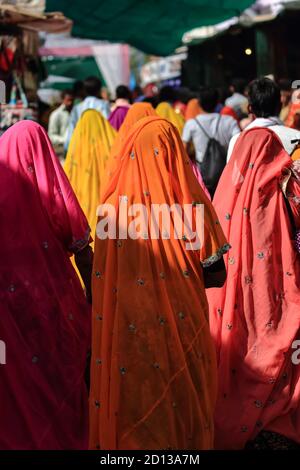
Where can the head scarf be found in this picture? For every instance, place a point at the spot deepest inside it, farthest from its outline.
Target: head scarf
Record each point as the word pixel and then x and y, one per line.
pixel 135 113
pixel 87 159
pixel 44 317
pixel 229 111
pixel 150 325
pixel 292 119
pixel 166 111
pixel 193 109
pixel 255 317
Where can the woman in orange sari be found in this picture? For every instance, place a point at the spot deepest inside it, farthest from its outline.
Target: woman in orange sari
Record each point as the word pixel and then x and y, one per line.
pixel 255 317
pixel 293 117
pixel 296 154
pixel 153 371
pixel 136 112
pixel 193 109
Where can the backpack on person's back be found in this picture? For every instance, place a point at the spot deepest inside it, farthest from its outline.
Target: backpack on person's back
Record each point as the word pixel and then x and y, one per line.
pixel 214 160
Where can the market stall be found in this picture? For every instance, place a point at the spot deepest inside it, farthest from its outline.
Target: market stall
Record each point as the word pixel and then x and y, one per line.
pixel 20 23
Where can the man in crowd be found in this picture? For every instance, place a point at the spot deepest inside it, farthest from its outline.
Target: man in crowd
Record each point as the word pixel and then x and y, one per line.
pixel 209 125
pixel 59 122
pixel 92 89
pixel 237 101
pixel 123 97
pixel 265 104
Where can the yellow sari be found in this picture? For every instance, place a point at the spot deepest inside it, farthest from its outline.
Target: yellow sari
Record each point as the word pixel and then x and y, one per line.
pixel 165 111
pixel 86 161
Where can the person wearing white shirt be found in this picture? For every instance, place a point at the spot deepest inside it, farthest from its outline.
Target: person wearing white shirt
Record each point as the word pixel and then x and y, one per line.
pixel 237 101
pixel 92 88
pixel 265 104
pixel 59 121
pixel 212 125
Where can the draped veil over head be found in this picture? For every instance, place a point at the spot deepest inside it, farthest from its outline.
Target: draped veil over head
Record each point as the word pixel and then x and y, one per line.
pixel 136 112
pixel 255 317
pixel 44 317
pixel 166 111
pixel 153 359
pixel 87 160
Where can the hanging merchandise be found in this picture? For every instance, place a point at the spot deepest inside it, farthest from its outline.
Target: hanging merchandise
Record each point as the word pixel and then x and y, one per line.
pixel 18 107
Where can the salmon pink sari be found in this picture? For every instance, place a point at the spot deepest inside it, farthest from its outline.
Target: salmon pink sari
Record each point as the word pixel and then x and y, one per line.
pixel 153 374
pixel 44 317
pixel 255 317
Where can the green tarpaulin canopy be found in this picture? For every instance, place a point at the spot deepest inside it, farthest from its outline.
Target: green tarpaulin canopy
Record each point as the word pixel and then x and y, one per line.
pixel 154 26
pixel 71 68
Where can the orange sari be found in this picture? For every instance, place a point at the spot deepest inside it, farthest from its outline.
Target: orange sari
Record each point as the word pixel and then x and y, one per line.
pixel 296 154
pixel 153 373
pixel 193 109
pixel 292 119
pixel 135 113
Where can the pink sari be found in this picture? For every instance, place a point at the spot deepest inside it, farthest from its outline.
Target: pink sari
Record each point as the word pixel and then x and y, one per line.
pixel 198 175
pixel 255 317
pixel 44 317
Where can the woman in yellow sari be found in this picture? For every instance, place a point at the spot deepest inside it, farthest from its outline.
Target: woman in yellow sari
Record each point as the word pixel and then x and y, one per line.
pixel 165 111
pixel 87 159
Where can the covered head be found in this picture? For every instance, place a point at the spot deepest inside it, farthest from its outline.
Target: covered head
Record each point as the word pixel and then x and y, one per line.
pixel 87 160
pixel 156 327
pixel 135 113
pixel 166 111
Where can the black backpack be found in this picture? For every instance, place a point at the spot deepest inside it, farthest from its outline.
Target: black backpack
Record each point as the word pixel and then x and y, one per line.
pixel 213 162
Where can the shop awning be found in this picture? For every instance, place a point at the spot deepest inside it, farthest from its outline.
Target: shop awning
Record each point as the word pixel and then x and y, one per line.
pixel 153 26
pixel 33 19
pixel 261 11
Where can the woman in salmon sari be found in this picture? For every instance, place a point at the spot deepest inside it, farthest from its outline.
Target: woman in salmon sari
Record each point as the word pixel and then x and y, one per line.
pixel 255 317
pixel 166 111
pixel 44 316
pixel 87 160
pixel 153 375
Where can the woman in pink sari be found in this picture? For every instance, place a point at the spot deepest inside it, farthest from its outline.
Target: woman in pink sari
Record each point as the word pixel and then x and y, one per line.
pixel 255 317
pixel 44 315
